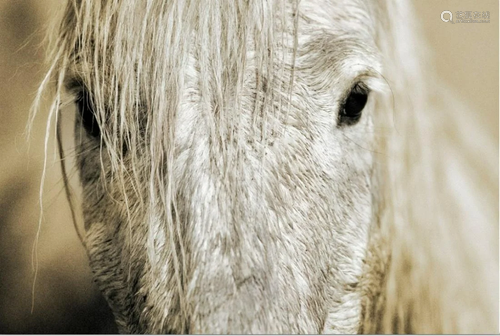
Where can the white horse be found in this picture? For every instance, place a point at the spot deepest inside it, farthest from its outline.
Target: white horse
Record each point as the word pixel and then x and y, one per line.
pixel 275 166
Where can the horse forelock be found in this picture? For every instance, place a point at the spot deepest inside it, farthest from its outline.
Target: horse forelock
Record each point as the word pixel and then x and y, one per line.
pixel 114 53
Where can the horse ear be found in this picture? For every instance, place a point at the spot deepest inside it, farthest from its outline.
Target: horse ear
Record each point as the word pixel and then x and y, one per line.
pixel 431 223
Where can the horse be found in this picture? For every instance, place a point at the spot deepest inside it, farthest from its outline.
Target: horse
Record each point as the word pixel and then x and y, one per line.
pixel 273 167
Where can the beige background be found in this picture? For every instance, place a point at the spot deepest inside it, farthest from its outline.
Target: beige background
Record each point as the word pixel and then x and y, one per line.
pixel 66 301
pixel 465 54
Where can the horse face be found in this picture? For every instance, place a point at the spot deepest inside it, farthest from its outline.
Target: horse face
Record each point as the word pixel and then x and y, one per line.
pixel 247 217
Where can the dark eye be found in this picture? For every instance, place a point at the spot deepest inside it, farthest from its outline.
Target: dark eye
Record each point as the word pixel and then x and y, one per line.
pixel 352 107
pixel 87 114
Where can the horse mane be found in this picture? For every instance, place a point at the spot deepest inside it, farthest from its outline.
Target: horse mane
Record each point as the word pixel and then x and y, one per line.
pixel 431 264
pixel 434 246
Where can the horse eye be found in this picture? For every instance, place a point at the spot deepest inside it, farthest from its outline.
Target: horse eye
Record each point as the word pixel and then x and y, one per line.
pixel 87 114
pixel 353 105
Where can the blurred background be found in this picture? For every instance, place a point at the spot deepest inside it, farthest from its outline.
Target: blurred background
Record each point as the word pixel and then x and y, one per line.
pixel 66 300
